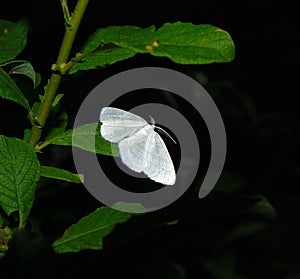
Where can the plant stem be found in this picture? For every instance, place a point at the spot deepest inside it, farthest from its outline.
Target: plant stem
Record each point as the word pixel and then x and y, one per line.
pixel 55 78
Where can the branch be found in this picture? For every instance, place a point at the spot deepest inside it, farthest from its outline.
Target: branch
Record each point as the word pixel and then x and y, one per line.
pixel 56 77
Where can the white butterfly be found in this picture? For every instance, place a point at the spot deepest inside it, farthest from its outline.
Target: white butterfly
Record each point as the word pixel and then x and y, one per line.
pixel 141 148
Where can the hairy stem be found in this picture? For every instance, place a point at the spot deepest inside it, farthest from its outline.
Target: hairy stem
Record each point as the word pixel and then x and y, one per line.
pixel 55 79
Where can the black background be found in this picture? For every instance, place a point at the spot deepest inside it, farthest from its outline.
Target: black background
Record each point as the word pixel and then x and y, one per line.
pixel 257 96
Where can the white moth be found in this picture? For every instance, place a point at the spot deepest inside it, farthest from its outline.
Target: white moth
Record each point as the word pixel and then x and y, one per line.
pixel 141 148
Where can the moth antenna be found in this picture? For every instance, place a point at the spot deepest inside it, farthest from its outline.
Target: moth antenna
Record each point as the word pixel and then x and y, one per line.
pixel 166 133
pixel 161 129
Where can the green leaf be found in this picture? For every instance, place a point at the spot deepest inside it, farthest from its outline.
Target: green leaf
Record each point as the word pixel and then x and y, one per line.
pixel 171 223
pixel 229 183
pixel 102 58
pixel 130 207
pixel 56 173
pixel 6 235
pixel 263 207
pixel 26 135
pixel 10 91
pixel 131 37
pixel 56 123
pixel 23 67
pixel 57 99
pixel 66 13
pixel 244 230
pixel 89 232
pixel 183 43
pixel 13 39
pixel 38 79
pixel 19 174
pixel 187 43
pixel 57 120
pixel 223 265
pixel 86 137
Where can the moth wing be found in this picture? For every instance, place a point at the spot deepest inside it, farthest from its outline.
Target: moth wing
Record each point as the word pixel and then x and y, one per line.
pixel 118 124
pixel 132 149
pixel 158 164
pixel 146 151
